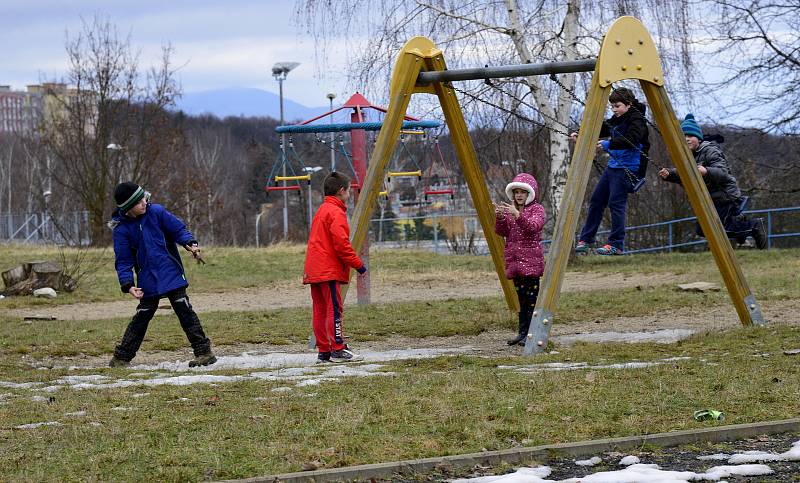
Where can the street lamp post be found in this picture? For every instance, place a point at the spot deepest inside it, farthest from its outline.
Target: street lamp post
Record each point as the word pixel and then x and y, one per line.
pixel 331 96
pixel 310 170
pixel 280 70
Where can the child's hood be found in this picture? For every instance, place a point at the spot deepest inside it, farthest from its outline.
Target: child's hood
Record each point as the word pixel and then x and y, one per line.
pixel 523 181
pixel 117 217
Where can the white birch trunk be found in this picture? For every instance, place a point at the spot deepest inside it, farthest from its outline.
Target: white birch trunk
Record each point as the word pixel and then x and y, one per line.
pixel 559 141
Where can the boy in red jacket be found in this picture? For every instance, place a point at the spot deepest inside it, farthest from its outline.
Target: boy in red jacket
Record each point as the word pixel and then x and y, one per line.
pixel 329 258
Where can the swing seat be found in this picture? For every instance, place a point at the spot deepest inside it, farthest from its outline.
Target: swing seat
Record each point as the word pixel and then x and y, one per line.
pixel 355 186
pixel 405 174
pixel 305 177
pixel 293 187
pixel 383 193
pixel 638 185
pixel 438 192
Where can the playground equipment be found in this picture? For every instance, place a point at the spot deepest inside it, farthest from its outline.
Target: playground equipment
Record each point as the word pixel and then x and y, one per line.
pixel 437 158
pixel 627 52
pixel 282 165
pixel 357 158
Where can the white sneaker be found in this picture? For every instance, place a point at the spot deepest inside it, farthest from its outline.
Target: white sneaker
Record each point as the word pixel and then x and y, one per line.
pixel 345 355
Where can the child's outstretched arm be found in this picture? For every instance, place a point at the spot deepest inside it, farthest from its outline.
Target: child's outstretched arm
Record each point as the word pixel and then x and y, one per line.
pixel 176 229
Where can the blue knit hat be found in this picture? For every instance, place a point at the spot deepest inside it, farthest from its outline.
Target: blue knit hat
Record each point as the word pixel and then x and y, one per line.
pixel 691 128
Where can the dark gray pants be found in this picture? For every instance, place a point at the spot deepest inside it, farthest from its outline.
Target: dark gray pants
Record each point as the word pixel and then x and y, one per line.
pixel 137 328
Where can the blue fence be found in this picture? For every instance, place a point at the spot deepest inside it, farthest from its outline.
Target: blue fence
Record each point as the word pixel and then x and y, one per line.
pixel 653 237
pixel 670 237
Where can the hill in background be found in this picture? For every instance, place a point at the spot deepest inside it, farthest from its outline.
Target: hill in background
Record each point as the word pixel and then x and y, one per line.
pixel 245 102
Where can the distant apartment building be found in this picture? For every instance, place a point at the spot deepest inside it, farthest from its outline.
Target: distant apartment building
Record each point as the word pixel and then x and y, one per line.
pixel 21 112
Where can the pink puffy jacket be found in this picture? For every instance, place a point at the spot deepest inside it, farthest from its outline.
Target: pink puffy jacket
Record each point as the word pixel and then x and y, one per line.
pixel 524 255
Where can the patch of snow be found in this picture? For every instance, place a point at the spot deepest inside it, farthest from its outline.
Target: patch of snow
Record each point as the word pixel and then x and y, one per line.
pixel 140 394
pixel 37 425
pixel 19 385
pixel 664 336
pixel 122 408
pixel 629 460
pixel 522 475
pixel 753 456
pixel 277 389
pixel 635 473
pixel 39 399
pixel 715 456
pixel 76 413
pixel 571 366
pixel 274 360
pixel 594 460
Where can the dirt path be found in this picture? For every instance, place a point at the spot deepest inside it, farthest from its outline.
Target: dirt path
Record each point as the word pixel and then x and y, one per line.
pixel 492 343
pixel 289 295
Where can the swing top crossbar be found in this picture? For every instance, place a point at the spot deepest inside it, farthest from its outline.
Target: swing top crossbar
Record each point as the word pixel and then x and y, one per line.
pixel 350 126
pixel 515 70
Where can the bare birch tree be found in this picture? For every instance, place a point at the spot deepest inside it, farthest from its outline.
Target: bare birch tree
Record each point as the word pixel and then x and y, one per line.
pixel 478 32
pixel 106 99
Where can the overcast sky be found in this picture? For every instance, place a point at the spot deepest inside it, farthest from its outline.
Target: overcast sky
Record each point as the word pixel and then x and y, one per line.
pixel 219 44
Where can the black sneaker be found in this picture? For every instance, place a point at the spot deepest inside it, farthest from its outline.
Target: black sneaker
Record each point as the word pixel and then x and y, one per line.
pixel 203 360
pixel 345 355
pixel 323 357
pixel 760 234
pixel 117 362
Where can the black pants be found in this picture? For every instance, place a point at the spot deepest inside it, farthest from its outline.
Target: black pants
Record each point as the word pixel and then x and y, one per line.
pixel 527 293
pixel 737 226
pixel 137 328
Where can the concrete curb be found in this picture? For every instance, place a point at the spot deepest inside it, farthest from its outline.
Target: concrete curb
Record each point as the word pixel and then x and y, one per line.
pixel 538 453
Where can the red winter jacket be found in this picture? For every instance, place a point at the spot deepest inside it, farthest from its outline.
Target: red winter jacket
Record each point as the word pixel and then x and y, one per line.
pixel 330 255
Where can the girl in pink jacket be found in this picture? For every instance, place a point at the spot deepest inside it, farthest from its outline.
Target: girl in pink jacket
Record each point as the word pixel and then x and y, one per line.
pixel 520 223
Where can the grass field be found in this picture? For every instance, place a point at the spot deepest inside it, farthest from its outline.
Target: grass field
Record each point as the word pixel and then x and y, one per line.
pixel 137 423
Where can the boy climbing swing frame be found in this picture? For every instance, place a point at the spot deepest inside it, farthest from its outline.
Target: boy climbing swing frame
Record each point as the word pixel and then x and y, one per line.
pixel 627 52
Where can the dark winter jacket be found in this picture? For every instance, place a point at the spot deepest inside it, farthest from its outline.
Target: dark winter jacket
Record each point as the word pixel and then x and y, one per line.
pixel 627 137
pixel 719 180
pixel 524 255
pixel 147 246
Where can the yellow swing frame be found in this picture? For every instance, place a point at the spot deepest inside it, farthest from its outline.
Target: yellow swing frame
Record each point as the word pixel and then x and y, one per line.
pixel 627 52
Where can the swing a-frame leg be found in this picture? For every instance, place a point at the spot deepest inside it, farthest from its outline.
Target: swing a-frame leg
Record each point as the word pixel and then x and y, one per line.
pixel 628 52
pixel 420 54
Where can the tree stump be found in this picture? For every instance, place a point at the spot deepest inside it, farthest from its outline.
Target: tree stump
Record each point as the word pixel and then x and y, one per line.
pixel 25 278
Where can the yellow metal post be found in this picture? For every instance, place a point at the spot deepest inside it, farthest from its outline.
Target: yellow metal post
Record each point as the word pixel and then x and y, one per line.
pixel 743 299
pixel 418 54
pixel 567 221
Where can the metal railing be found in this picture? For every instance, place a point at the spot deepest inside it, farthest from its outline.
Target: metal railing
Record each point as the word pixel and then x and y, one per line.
pixel 434 240
pixel 31 228
pixel 670 237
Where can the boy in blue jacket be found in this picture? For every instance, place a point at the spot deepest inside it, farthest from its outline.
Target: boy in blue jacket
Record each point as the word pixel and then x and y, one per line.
pixel 145 238
pixel 627 139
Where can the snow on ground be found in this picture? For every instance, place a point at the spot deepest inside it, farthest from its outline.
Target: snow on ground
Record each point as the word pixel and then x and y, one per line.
pixel 569 366
pixel 753 456
pixel 296 369
pixel 638 473
pixel 741 464
pixel 663 336
pixel 593 461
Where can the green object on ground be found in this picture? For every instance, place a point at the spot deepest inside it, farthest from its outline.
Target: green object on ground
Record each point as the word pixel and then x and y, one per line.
pixel 709 415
